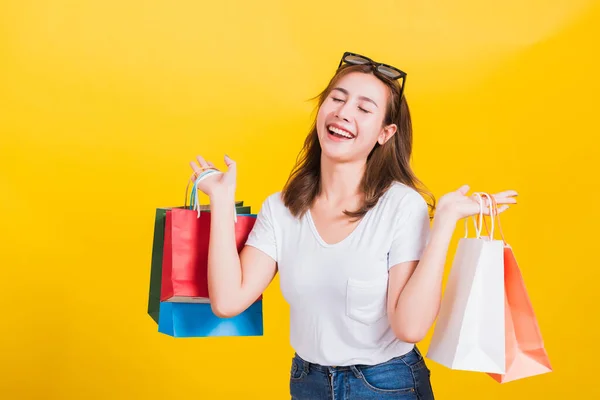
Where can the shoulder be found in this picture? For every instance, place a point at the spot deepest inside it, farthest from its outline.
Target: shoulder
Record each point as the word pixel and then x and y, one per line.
pixel 274 206
pixel 401 197
pixel 274 201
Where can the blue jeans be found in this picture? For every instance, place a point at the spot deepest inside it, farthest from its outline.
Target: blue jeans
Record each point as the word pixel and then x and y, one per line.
pixel 401 378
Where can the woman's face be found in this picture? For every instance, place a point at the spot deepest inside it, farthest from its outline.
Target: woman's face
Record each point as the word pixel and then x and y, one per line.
pixel 350 120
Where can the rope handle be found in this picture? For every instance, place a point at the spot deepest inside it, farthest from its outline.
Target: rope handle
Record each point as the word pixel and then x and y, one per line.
pixel 495 216
pixel 194 195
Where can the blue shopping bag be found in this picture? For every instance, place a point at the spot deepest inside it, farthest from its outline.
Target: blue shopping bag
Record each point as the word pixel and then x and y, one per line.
pixel 197 320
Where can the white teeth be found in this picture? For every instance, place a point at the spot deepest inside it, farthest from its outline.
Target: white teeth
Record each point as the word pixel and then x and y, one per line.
pixel 340 132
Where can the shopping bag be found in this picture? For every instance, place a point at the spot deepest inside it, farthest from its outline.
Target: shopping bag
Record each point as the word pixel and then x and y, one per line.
pixel 157 253
pixel 185 254
pixel 156 263
pixel 469 333
pixel 526 355
pixel 197 320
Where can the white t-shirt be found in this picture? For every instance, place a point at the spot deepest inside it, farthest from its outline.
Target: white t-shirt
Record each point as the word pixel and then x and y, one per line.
pixel 337 292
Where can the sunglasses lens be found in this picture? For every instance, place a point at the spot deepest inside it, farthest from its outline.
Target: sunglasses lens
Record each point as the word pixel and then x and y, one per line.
pixel 392 73
pixel 356 60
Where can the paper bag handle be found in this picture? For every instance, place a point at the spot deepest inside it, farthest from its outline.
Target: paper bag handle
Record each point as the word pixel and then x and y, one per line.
pixel 195 179
pixel 480 221
pixel 493 210
pixel 476 221
pixel 194 198
pixel 495 216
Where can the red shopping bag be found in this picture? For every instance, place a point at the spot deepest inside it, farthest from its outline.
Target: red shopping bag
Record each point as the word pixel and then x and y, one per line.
pixel 185 254
pixel 525 354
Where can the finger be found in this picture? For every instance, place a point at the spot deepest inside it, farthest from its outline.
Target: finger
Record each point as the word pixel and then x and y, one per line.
pixel 464 189
pixel 498 199
pixel 211 165
pixel 498 210
pixel 195 167
pixel 484 201
pixel 231 165
pixel 510 200
pixel 477 198
pixel 508 197
pixel 202 162
pixel 507 193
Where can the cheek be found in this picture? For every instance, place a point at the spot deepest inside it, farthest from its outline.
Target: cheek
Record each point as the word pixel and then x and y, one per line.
pixel 370 129
pixel 322 117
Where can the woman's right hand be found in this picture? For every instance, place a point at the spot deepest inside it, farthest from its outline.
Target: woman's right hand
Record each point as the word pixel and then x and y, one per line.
pixel 216 185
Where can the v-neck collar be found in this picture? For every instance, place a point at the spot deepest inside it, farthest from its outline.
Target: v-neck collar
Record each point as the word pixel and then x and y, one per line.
pixel 348 237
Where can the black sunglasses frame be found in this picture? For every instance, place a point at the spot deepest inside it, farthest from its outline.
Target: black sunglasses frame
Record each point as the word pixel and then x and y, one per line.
pixel 401 74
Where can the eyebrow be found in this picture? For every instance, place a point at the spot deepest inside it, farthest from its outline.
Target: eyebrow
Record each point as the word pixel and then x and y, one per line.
pixel 339 89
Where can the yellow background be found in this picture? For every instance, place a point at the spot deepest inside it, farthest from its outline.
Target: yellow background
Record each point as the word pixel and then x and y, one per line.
pixel 104 103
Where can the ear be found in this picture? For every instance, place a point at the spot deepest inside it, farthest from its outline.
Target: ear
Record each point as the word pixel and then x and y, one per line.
pixel 386 133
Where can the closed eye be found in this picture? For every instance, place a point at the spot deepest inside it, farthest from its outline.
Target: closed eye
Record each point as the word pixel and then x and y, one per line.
pixel 363 110
pixel 336 99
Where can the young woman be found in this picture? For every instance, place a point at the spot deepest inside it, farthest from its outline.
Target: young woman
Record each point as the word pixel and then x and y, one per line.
pixel 360 264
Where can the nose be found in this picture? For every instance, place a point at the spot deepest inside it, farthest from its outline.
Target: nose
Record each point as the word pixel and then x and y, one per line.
pixel 343 112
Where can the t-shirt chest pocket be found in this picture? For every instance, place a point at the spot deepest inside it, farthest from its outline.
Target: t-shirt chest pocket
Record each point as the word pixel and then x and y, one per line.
pixel 366 299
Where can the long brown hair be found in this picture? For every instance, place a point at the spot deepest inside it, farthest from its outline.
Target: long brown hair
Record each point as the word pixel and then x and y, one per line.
pixel 386 163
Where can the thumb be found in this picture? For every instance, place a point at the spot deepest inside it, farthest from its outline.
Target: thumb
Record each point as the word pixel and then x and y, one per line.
pixel 464 189
pixel 231 165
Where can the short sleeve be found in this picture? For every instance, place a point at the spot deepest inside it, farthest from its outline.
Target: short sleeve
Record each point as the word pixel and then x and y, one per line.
pixel 411 230
pixel 262 236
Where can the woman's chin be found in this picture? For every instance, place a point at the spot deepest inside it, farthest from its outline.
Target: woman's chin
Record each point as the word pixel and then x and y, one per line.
pixel 337 155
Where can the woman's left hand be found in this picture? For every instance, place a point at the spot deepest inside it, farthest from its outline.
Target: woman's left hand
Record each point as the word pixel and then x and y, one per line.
pixel 457 205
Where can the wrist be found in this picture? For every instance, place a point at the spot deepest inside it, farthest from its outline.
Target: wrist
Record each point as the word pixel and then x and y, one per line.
pixel 225 195
pixel 445 220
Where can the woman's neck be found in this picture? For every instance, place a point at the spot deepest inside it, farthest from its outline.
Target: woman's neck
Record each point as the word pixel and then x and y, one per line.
pixel 340 182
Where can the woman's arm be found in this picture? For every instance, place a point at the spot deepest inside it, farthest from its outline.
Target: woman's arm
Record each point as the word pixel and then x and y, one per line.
pixel 235 280
pixel 415 287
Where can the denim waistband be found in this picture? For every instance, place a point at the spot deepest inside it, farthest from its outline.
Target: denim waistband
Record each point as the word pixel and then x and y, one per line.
pixel 412 357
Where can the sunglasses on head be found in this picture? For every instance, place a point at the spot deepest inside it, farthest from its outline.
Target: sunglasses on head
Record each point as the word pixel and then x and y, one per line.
pixel 384 69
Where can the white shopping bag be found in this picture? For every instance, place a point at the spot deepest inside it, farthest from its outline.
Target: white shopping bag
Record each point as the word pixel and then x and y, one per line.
pixel 469 333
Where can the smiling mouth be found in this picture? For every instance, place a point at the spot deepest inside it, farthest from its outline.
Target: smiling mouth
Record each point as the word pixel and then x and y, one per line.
pixel 340 133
